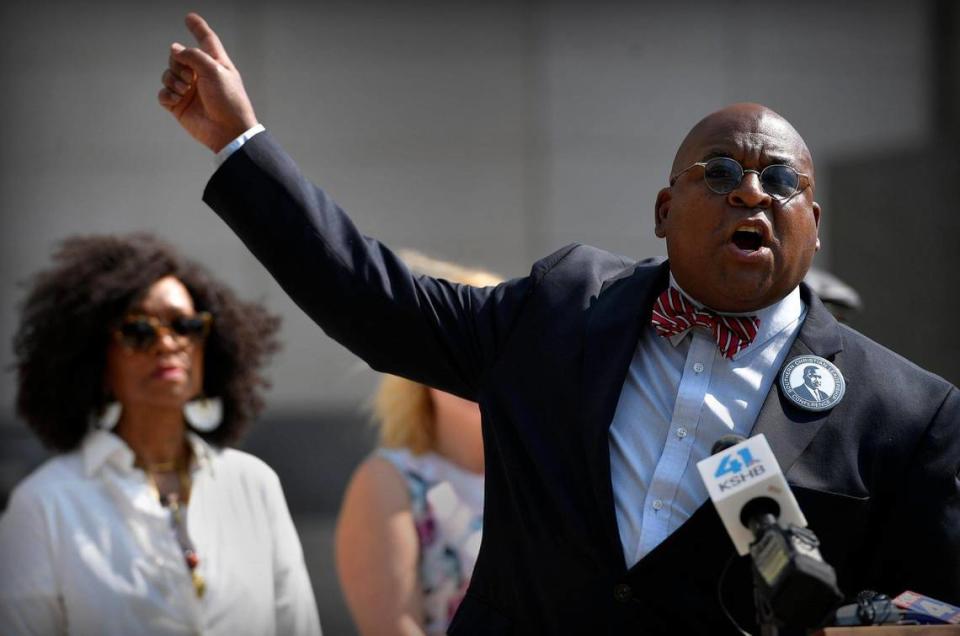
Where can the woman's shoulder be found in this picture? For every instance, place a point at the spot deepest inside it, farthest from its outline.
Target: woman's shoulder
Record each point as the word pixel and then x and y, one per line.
pixel 60 473
pixel 243 464
pixel 382 469
pixel 380 481
pixel 232 473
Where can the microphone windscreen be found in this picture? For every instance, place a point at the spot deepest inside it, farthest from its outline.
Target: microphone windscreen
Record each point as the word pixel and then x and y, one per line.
pixel 726 442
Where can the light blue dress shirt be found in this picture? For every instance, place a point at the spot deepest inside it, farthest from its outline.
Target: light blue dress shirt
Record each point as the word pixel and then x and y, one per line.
pixel 680 396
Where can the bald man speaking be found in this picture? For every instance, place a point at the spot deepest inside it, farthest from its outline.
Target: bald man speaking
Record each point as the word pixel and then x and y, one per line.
pixel 602 381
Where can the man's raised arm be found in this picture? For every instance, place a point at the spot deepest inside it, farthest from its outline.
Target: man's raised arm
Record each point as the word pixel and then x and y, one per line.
pixel 354 287
pixel 203 90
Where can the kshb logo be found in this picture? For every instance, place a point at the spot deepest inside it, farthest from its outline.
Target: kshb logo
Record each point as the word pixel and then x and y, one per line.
pixel 741 473
pixel 737 468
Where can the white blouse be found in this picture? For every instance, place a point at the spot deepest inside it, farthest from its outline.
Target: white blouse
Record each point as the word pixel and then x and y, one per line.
pixel 86 548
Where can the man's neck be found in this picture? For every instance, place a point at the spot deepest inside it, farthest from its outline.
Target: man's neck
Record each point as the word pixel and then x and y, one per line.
pixel 699 304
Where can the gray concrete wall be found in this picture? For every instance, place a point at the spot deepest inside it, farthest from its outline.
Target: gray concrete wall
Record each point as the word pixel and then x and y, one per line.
pixel 491 133
pixel 899 225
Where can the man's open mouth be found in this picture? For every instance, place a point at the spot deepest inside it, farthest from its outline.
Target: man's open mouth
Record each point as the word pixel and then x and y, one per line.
pixel 748 239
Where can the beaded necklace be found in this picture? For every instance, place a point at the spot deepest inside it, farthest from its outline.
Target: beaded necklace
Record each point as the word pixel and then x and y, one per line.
pixel 178 518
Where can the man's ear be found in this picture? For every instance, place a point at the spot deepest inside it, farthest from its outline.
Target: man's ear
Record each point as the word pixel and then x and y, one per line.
pixel 661 210
pixel 816 221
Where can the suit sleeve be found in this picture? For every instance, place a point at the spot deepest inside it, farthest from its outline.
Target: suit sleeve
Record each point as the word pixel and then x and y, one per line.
pixel 430 330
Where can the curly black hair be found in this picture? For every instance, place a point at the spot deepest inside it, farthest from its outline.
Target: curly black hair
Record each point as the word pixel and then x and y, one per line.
pixel 65 323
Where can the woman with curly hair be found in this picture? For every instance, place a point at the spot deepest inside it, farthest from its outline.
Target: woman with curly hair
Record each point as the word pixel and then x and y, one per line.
pixel 410 524
pixel 138 368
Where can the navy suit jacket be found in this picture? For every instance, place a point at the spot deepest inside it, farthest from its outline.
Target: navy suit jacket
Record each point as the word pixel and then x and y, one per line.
pixel 546 356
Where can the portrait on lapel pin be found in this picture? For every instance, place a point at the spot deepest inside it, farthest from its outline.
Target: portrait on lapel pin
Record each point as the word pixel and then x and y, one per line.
pixel 812 383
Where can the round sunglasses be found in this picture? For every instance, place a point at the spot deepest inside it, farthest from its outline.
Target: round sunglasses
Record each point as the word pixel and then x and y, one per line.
pixel 723 175
pixel 140 332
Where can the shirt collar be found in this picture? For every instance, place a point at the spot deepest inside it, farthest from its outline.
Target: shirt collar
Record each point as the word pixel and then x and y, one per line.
pixel 203 453
pixel 100 447
pixel 773 318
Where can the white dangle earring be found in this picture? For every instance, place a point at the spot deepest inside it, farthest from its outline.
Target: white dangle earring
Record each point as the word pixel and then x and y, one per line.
pixel 107 418
pixel 203 414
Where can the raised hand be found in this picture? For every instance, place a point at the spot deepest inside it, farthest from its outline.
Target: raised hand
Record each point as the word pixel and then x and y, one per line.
pixel 203 90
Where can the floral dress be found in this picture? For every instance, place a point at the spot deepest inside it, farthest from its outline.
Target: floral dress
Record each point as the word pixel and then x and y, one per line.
pixel 447 505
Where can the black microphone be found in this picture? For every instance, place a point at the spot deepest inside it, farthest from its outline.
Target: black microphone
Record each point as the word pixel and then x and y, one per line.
pixel 793 585
pixel 908 607
pixel 726 442
pixel 871 608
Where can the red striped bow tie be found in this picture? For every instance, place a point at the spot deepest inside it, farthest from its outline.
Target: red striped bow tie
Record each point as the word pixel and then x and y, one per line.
pixel 673 314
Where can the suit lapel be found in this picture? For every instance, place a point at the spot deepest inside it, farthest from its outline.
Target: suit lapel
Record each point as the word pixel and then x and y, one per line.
pixel 788 428
pixel 616 319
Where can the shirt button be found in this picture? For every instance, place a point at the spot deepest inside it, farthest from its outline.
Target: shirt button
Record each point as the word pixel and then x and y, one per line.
pixel 698 367
pixel 657 504
pixel 681 432
pixel 622 592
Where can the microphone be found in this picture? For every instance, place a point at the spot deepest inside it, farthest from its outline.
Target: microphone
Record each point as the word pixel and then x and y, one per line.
pixel 871 608
pixel 909 607
pixel 745 471
pixel 793 585
pixel 726 442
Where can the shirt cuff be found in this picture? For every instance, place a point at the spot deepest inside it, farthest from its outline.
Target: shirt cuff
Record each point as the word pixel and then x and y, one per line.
pixel 235 145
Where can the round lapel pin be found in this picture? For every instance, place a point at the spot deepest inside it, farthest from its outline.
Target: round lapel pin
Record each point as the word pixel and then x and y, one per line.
pixel 812 383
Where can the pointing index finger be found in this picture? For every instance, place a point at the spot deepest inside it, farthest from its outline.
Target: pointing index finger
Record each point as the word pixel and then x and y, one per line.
pixel 206 38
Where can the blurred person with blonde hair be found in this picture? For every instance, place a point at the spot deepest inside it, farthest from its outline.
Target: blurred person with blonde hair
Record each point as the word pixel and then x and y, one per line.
pixel 409 529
